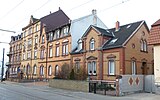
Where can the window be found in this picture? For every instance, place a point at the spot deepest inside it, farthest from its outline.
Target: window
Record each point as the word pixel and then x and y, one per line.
pixel 143 45
pixel 35 70
pixel 30 30
pixel 57 33
pixel 41 70
pixel 29 42
pixel 50 36
pixel 24 56
pixel 50 52
pixel 42 54
pixel 65 31
pixel 28 69
pixel 77 66
pixel 50 70
pixel 57 51
pixel 111 67
pixel 133 67
pixel 35 54
pixel 24 69
pixel 24 34
pixel 24 45
pixel 79 44
pixel 28 54
pixel 36 39
pixel 43 39
pixel 92 43
pixel 20 46
pixel 37 28
pixel 65 49
pixel 56 70
pixel 92 68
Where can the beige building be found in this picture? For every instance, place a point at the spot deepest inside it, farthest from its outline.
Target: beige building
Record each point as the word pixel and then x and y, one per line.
pixel 154 39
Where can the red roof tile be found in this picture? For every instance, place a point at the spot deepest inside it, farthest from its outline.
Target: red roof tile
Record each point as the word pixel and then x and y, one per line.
pixel 156 23
pixel 154 37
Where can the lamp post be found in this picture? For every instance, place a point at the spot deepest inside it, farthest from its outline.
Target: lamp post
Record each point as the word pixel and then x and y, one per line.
pixel 2 65
pixel 4 52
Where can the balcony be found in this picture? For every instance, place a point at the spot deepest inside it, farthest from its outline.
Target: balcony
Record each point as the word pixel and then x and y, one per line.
pixel 8 63
pixel 10 53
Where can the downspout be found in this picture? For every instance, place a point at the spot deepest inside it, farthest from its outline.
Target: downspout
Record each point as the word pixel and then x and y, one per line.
pixel 46 57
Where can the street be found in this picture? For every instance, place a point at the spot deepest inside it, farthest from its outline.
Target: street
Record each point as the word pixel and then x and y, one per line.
pixel 35 91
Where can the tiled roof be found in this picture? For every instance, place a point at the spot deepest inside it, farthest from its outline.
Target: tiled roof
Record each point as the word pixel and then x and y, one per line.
pixel 154 37
pixel 122 35
pixel 156 23
pixel 103 31
pixel 55 20
pixel 119 37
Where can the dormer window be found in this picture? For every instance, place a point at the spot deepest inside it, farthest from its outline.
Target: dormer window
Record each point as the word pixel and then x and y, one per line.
pixel 65 31
pixel 79 44
pixel 30 30
pixel 92 44
pixel 57 33
pixel 43 39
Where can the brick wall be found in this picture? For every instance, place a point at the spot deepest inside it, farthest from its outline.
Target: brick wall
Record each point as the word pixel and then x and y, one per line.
pixel 69 85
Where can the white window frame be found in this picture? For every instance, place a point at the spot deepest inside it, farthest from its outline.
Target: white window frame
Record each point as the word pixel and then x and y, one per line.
pixel 111 67
pixel 42 54
pixel 35 70
pixel 35 54
pixel 43 39
pixel 50 52
pixel 65 49
pixel 50 70
pixel 56 70
pixel 77 66
pixel 133 64
pixel 41 70
pixel 57 51
pixel 92 44
pixel 36 40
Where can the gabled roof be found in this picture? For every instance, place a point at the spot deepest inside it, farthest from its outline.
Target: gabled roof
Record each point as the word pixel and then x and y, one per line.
pixel 156 23
pixel 122 36
pixel 55 20
pixel 154 37
pixel 102 31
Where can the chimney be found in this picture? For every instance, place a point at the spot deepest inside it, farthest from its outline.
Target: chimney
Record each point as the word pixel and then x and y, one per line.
pixel 94 11
pixel 117 26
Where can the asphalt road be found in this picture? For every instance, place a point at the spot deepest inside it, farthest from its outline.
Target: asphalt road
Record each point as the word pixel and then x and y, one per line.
pixel 27 91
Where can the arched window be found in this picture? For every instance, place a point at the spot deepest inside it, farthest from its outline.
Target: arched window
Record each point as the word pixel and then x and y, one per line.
pixel 92 68
pixel 141 45
pixel 35 70
pixel 41 70
pixel 145 45
pixel 50 70
pixel 56 70
pixel 28 69
pixel 92 44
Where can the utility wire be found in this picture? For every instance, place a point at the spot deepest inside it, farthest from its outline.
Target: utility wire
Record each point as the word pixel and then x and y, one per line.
pixel 32 12
pixel 12 9
pixel 80 5
pixel 114 6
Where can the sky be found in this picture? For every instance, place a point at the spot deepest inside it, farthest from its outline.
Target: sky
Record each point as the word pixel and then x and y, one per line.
pixel 15 14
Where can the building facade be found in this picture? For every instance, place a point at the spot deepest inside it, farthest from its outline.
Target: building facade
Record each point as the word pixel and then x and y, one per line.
pixel 105 54
pixel 154 40
pixel 47 43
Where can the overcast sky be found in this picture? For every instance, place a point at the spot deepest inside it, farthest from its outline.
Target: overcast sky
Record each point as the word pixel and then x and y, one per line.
pixel 15 14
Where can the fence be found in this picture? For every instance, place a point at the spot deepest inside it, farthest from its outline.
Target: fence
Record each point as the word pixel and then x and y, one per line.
pixel 102 87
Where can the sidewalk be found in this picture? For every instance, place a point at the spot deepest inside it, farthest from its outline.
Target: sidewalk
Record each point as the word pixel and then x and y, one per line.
pixel 39 83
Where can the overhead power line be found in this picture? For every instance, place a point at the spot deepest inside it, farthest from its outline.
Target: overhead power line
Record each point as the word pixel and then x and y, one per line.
pixel 80 5
pixel 123 1
pixel 12 9
pixel 32 13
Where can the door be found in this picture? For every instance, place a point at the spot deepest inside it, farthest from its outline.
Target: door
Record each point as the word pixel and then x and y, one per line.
pixel 144 68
